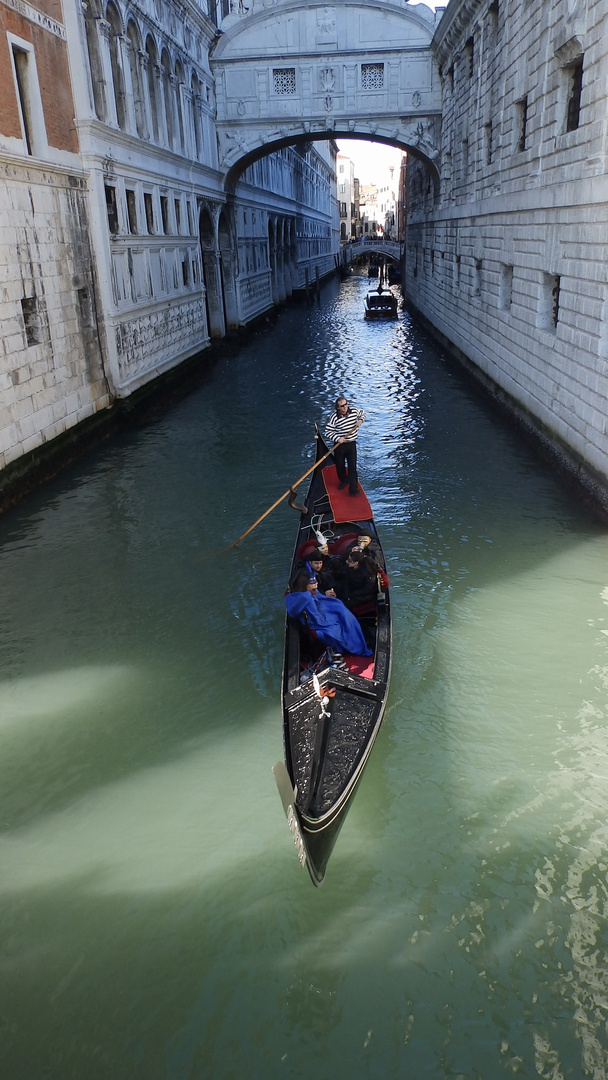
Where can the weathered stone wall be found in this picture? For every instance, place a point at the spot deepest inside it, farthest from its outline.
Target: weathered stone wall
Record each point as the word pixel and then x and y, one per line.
pixel 507 261
pixel 51 369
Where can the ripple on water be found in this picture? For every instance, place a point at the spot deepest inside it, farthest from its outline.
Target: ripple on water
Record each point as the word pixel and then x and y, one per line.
pixel 150 898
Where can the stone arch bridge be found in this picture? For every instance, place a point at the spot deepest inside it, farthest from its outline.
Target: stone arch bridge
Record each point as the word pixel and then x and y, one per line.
pixel 291 72
pixel 391 249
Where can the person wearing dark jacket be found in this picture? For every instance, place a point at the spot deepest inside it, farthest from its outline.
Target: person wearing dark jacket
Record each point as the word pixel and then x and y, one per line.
pixel 359 585
pixel 318 566
pixel 321 568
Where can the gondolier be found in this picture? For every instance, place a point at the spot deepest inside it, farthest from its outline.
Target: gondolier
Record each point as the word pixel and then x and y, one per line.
pixel 342 429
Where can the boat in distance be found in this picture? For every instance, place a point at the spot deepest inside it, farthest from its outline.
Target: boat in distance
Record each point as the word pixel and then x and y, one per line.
pixel 381 304
pixel 331 714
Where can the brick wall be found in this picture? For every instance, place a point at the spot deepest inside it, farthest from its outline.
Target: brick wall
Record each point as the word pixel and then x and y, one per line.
pixel 53 77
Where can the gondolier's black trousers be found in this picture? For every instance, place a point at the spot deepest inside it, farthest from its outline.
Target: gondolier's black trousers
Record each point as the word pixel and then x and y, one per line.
pixel 346 454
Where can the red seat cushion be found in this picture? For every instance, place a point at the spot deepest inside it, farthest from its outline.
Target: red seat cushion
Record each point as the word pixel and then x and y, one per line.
pixel 306 549
pixel 342 544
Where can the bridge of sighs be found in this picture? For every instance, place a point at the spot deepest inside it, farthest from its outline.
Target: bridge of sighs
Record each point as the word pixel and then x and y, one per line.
pixel 288 71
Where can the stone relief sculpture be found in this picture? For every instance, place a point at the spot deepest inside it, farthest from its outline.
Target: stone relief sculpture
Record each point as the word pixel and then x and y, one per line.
pixel 326 21
pixel 423 136
pixel 328 79
pixel 234 140
pixel 326 27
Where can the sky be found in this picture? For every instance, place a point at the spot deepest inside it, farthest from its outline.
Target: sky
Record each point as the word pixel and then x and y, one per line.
pixel 371 159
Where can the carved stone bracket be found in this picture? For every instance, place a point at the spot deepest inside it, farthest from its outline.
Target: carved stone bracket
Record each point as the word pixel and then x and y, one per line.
pixel 422 135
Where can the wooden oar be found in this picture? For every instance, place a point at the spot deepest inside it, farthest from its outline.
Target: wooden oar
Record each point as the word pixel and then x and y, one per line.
pixel 284 496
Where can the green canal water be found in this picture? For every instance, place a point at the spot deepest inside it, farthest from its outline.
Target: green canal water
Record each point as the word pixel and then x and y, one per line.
pixel 154 921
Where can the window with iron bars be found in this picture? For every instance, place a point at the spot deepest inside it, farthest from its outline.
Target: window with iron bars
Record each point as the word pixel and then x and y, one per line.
pixel 372 76
pixel 284 80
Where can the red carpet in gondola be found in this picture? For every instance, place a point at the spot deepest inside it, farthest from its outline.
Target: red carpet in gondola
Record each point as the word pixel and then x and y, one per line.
pixel 345 507
pixel 360 665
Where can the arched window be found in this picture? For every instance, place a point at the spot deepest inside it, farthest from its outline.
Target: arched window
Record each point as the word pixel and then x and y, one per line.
pixel 113 19
pixel 136 78
pixel 195 88
pixel 179 82
pixel 152 86
pixel 97 79
pixel 165 64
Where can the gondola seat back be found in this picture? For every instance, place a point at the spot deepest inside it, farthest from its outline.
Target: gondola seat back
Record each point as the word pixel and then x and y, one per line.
pixel 341 545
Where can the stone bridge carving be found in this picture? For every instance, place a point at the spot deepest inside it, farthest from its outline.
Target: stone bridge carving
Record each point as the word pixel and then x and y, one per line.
pixel 287 71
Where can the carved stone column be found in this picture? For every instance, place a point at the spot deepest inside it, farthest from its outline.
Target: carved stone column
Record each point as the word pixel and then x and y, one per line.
pixel 161 113
pixel 146 104
pixel 188 118
pixel 173 108
pixel 197 124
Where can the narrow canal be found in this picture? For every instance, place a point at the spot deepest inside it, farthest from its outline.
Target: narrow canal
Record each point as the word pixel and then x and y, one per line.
pixel 154 921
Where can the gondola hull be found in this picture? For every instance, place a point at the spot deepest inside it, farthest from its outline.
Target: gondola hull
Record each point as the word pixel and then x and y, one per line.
pixel 331 720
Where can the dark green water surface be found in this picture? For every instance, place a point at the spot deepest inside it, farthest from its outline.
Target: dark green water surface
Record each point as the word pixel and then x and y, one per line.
pixel 154 921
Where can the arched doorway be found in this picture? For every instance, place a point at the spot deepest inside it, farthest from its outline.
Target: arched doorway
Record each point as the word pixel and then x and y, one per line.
pixel 211 276
pixel 227 272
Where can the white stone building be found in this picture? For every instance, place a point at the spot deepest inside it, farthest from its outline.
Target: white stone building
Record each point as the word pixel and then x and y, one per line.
pixel 506 257
pixel 123 251
pixel 345 169
pixel 52 374
pixel 181 263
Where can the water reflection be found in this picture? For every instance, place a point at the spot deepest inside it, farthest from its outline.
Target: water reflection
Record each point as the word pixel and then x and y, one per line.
pixel 155 922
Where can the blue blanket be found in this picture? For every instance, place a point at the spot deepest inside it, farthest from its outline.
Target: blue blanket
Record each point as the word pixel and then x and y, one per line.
pixel 331 621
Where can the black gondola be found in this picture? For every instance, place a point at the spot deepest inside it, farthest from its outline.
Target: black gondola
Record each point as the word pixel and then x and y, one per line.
pixel 330 720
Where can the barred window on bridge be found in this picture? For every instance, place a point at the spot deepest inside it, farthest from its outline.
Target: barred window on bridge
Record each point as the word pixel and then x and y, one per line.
pixel 284 80
pixel 372 76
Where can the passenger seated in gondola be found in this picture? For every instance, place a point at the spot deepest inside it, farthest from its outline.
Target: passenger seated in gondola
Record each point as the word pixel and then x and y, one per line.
pixel 359 586
pixel 320 568
pixel 325 616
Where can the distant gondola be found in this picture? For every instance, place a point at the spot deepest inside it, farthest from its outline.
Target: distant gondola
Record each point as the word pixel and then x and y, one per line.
pixel 331 716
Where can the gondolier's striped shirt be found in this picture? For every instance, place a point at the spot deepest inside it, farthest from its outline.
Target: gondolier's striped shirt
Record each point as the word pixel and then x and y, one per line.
pixel 344 427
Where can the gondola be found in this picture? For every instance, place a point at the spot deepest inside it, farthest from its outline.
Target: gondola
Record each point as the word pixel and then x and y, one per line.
pixel 331 715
